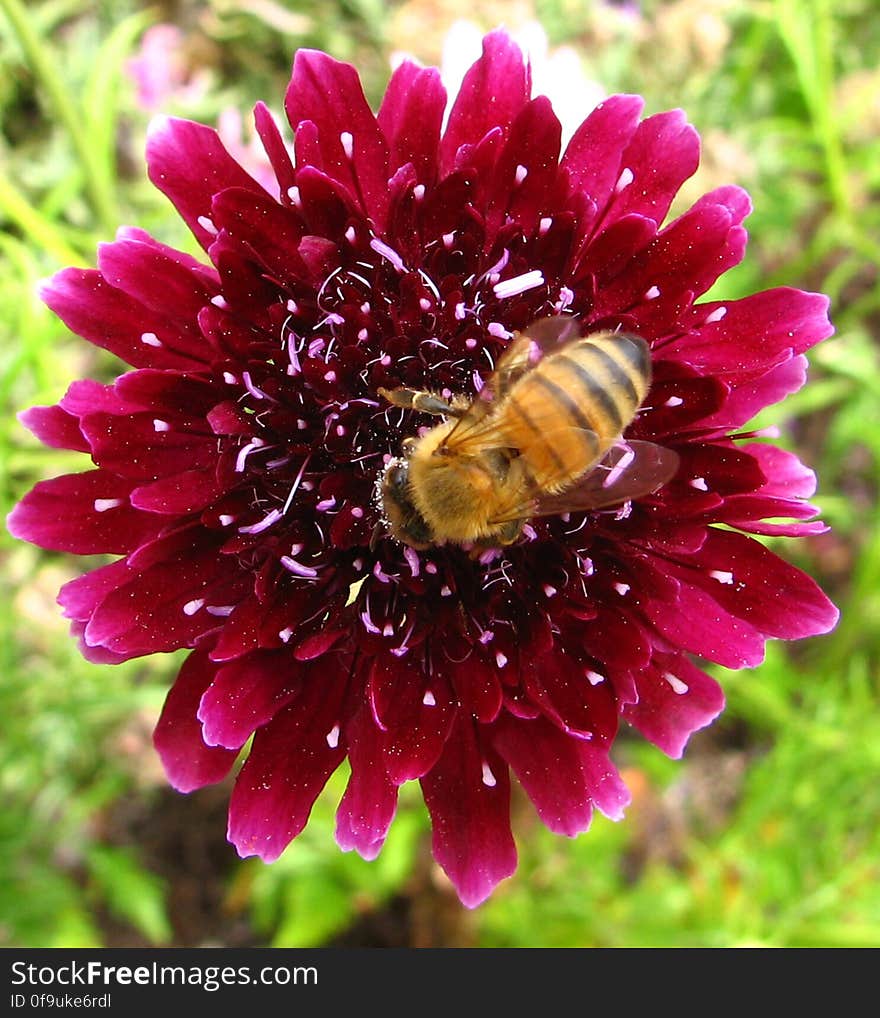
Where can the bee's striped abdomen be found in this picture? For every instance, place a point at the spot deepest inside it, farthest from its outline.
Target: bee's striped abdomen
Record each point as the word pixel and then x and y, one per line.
pixel 575 403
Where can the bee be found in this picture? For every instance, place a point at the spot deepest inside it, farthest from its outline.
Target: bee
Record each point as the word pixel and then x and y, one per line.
pixel 544 437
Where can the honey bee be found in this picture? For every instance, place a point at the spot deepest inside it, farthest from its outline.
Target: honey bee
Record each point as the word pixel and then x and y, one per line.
pixel 544 437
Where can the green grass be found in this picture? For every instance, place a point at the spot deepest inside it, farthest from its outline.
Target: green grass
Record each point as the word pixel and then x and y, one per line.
pixel 768 832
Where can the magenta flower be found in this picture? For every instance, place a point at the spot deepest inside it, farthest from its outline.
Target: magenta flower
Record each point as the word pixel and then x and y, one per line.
pixel 236 465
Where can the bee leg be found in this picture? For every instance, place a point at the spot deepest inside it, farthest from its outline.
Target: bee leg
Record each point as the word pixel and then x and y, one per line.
pixel 425 402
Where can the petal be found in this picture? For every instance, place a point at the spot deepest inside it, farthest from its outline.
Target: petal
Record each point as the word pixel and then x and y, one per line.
pixel 80 597
pixel 546 763
pixel 468 796
pixel 527 184
pixel 663 153
pixel 116 321
pixel 414 712
pixel 786 475
pixel 607 790
pixel 86 514
pixel 370 800
pixel 492 93
pixel 693 251
pixel 270 232
pixel 750 397
pixel 750 582
pixel 164 607
pixel 54 427
pixel 290 761
pixel 741 339
pixel 410 117
pixel 675 699
pixel 353 149
pixel 696 622
pixel 275 147
pixel 559 684
pixel 592 158
pixel 162 448
pixel 186 492
pixel 188 762
pixel 246 694
pixel 155 278
pixel 477 688
pixel 188 163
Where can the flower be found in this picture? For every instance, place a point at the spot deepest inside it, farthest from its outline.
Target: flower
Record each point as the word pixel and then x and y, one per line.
pixel 236 465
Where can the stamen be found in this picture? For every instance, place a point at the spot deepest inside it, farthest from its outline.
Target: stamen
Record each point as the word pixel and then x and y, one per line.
pixel 367 620
pixel 544 225
pixel 207 225
pixel 419 192
pixel 294 195
pixel 150 339
pixel 716 315
pixel 297 568
pixel 347 141
pixel 519 284
pixel 285 634
pixel 220 610
pixel 624 180
pixel 103 504
pixel 296 483
pixel 566 296
pixel 721 575
pixel 333 737
pixel 675 682
pixel 229 378
pixel 191 607
pixel 403 648
pixel 699 483
pixel 497 330
pixel 412 559
pixel 652 293
pixel 160 426
pixel 500 659
pixel 254 390
pixel 674 401
pixel 263 524
pixel 219 301
pixel 245 451
pixel 381 248
pixel 594 678
pixel 615 472
pixel 489 779
pixel 429 700
pixel 521 173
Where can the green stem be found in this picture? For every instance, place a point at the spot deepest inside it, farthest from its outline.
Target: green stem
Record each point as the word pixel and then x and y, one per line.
pixel 16 207
pixel 835 164
pixel 43 65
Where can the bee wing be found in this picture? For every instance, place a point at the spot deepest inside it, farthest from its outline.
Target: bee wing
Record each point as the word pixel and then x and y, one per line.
pixel 528 347
pixel 630 470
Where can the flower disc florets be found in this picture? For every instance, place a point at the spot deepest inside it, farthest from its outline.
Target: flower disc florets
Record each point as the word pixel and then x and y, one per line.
pixel 236 466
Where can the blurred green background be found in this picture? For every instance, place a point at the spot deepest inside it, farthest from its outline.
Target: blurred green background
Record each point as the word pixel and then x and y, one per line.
pixel 767 832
